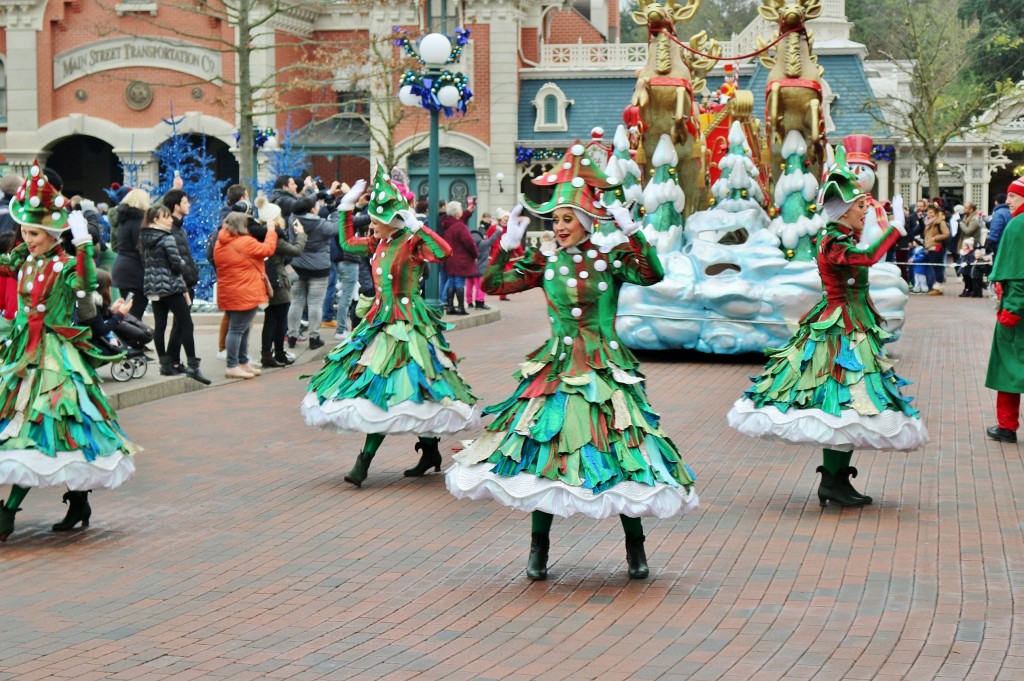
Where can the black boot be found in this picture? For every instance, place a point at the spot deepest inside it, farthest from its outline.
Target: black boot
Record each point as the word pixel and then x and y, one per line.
pixel 430 457
pixel 843 476
pixel 636 557
pixel 167 367
pixel 283 358
pixel 268 360
pixel 451 302
pixel 832 489
pixel 537 563
pixel 360 470
pixel 460 295
pixel 78 510
pixel 481 305
pixel 6 521
pixel 193 371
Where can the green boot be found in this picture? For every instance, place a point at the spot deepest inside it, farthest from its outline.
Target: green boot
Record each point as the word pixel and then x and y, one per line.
pixel 360 470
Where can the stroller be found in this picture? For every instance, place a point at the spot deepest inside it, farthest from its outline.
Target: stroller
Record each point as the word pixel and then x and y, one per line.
pixel 130 337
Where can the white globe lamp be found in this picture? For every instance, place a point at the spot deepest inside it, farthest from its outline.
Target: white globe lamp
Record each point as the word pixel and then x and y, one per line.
pixel 407 97
pixel 448 95
pixel 435 48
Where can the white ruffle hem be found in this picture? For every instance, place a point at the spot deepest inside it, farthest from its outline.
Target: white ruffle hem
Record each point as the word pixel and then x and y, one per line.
pixel 885 430
pixel 360 415
pixel 527 492
pixel 32 468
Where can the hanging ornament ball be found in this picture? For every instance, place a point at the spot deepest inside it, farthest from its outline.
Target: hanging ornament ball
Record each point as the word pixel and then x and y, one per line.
pixel 782 166
pixel 790 253
pixel 743 193
pixel 813 207
pixel 577 150
pixel 772 212
pixel 713 201
pixel 577 182
pixel 671 171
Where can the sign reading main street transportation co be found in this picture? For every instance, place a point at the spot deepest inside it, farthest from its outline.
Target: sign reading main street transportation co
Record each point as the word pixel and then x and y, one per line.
pixel 120 53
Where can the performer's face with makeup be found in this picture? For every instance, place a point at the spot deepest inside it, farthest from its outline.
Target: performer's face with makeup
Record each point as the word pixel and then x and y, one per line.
pixel 569 231
pixel 854 217
pixel 37 240
pixel 381 230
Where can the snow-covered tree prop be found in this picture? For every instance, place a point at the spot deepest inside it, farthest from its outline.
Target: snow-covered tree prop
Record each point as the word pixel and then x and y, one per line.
pixel 796 221
pixel 189 158
pixel 664 201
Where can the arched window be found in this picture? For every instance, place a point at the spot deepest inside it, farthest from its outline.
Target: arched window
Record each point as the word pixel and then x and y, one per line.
pixel 551 104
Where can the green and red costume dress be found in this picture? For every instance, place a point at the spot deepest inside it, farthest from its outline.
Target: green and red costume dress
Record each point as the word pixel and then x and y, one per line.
pixel 578 435
pixel 56 426
pixel 395 373
pixel 833 384
pixel 1005 372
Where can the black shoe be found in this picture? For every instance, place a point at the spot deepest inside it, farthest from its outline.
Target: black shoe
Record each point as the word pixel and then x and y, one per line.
pixel 193 371
pixel 481 306
pixel 78 510
pixel 430 457
pixel 636 557
pixel 360 470
pixel 843 476
pixel 267 360
pixel 537 563
pixel 460 298
pixel 315 342
pixel 6 521
pixel 832 489
pixel 168 368
pixel 292 340
pixel 283 359
pixel 1002 434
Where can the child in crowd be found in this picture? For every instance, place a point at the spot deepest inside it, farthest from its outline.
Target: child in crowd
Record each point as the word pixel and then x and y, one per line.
pixel 918 256
pixel 965 268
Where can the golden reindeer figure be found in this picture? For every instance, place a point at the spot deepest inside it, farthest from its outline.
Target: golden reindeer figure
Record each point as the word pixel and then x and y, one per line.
pixel 793 96
pixel 664 95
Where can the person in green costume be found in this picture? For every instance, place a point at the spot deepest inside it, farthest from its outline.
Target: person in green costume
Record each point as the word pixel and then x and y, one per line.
pixel 833 384
pixel 56 426
pixel 578 435
pixel 395 373
pixel 1006 359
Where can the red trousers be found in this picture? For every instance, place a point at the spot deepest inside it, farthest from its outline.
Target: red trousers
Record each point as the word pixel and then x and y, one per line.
pixel 1008 410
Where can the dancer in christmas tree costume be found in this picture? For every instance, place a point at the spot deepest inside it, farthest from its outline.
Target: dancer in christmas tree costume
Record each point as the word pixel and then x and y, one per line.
pixel 578 434
pixel 56 427
pixel 395 373
pixel 832 384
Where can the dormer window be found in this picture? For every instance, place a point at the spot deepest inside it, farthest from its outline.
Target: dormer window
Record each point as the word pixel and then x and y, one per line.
pixel 551 104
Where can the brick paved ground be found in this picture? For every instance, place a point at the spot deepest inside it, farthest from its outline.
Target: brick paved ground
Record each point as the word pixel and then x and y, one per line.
pixel 239 552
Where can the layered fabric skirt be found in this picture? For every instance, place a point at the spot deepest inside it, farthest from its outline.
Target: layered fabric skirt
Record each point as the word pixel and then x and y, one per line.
pixel 56 426
pixel 833 388
pixel 569 442
pixel 391 377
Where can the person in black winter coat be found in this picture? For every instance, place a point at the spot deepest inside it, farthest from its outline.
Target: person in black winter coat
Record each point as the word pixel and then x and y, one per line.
pixel 178 203
pixel 128 268
pixel 165 287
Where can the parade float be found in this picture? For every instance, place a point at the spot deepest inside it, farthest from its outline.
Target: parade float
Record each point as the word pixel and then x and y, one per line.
pixel 729 201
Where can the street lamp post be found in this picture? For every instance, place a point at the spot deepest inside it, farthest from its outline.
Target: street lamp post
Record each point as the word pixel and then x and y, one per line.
pixel 435 89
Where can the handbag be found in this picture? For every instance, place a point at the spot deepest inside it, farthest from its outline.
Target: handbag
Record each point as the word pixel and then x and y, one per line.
pixel 133 331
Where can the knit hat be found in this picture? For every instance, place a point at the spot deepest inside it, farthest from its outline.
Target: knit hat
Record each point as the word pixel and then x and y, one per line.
pixel 386 199
pixel 268 211
pixel 579 183
pixel 38 204
pixel 1016 187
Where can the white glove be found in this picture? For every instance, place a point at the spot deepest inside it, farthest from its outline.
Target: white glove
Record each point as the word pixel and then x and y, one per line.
pixel 79 228
pixel 412 223
pixel 348 201
pixel 624 219
pixel 899 218
pixel 515 230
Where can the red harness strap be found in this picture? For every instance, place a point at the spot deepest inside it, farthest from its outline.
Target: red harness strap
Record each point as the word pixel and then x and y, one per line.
pixel 794 82
pixel 671 82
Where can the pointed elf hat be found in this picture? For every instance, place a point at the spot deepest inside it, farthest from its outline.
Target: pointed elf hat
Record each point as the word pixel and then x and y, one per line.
pixel 37 203
pixel 385 198
pixel 840 182
pixel 579 183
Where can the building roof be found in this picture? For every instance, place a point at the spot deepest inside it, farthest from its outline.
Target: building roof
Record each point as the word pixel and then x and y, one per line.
pixel 338 135
pixel 600 101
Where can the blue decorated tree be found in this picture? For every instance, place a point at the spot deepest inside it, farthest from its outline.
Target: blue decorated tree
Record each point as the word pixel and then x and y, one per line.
pixel 284 159
pixel 188 156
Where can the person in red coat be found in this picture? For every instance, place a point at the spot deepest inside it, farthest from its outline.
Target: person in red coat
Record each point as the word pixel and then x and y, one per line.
pixel 462 262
